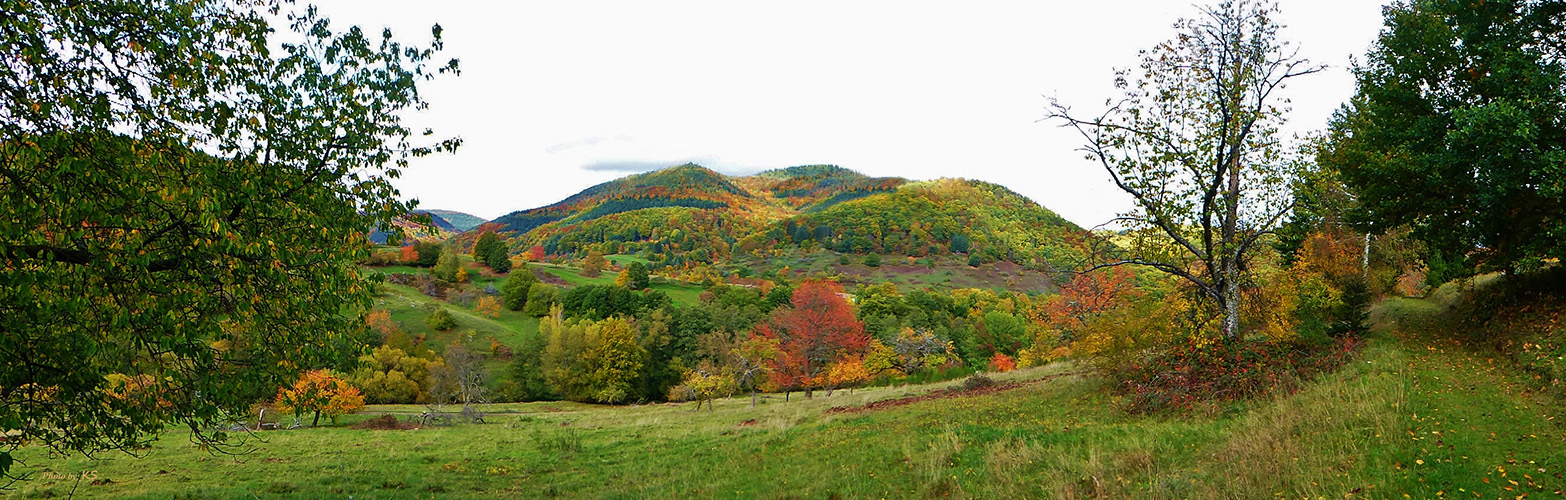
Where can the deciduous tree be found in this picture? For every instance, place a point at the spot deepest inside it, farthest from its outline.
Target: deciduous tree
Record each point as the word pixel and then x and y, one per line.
pixel 818 330
pixel 1194 141
pixel 1458 129
pixel 319 392
pixel 175 177
pixel 514 293
pixel 594 264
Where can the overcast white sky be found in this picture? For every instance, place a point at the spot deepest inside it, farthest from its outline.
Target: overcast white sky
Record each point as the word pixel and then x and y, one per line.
pixel 557 96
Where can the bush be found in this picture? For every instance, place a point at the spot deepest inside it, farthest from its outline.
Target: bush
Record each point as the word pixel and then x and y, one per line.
pixel 873 260
pixel 518 284
pixel 1190 374
pixel 539 298
pixel 977 381
pixel 974 260
pixel 427 254
pixel 1002 363
pixel 440 319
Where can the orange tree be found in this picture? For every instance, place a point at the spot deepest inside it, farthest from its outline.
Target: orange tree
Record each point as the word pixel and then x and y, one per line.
pixel 183 191
pixel 318 392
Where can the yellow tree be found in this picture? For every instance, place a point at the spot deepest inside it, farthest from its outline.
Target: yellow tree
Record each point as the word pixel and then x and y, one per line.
pixel 594 264
pixel 318 392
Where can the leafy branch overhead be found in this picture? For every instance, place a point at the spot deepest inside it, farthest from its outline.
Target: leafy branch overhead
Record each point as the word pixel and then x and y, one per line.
pixel 184 191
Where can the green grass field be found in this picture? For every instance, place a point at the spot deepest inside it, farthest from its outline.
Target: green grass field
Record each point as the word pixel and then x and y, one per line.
pixel 679 292
pixel 1414 415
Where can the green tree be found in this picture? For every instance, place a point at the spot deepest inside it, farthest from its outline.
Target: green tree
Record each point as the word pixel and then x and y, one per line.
pixel 499 259
pixel 514 293
pixel 447 267
pixel 959 243
pixel 541 297
pixel 636 276
pixel 440 319
pixel 1194 142
pixel 428 253
pixel 1458 129
pixel 873 260
pixel 184 192
pixel 485 246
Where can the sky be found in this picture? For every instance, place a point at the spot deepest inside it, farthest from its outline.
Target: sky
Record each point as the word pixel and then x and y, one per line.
pixel 555 96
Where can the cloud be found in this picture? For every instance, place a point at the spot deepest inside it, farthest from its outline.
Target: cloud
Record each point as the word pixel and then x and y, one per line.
pixel 587 142
pixel 639 166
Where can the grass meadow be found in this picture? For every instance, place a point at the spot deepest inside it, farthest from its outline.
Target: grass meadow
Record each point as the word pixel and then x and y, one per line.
pixel 1413 415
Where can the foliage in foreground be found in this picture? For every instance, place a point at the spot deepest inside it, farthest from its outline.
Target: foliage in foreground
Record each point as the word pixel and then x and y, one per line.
pixel 212 275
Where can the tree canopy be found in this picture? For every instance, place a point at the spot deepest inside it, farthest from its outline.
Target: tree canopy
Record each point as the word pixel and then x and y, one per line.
pixel 184 191
pixel 1458 129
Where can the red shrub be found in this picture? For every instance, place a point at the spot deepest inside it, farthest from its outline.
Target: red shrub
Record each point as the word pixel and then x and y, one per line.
pixel 1002 363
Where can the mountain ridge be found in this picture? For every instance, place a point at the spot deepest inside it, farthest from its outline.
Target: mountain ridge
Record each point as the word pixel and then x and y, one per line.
pixel 690 216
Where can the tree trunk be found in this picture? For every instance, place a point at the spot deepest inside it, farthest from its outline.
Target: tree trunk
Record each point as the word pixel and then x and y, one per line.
pixel 1231 307
pixel 809 392
pixel 1364 260
pixel 317 421
pixel 785 396
pixel 1229 264
pixel 752 399
pixel 709 405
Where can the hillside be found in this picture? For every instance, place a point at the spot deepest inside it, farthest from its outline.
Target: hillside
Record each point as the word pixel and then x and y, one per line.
pixel 442 229
pixel 459 221
pixel 688 216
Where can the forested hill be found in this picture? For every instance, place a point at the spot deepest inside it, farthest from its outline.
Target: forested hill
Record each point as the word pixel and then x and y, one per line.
pixel 458 221
pixel 689 215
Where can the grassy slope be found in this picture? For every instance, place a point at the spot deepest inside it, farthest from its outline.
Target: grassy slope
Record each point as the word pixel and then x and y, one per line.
pixel 1413 415
pixel 681 293
pixel 949 272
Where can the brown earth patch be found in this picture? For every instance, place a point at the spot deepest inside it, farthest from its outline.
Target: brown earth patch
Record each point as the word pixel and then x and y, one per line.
pixel 956 392
pixel 383 423
pixel 550 278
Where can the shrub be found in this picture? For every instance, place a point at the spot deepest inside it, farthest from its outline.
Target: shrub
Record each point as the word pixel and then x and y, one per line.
pixel 974 260
pixel 488 307
pixel 873 260
pixel 539 298
pixel 440 319
pixel 1002 363
pixel 977 381
pixel 1186 375
pixel 518 284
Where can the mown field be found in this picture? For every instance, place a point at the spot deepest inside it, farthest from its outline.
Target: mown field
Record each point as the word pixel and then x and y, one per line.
pixel 1413 415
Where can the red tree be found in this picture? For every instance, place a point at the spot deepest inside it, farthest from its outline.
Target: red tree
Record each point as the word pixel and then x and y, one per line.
pixel 817 331
pixel 535 254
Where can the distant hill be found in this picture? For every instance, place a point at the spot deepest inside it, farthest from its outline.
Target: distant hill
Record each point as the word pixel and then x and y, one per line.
pixel 688 215
pixel 443 229
pixel 458 221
